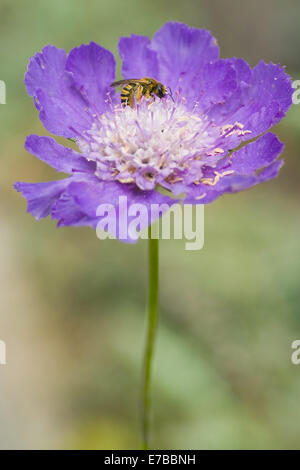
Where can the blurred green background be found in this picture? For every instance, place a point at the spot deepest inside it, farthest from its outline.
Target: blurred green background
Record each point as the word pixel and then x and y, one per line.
pixel 72 307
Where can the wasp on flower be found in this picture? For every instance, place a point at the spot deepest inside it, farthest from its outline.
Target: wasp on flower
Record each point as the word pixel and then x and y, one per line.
pixel 152 147
pixel 137 88
pixel 207 138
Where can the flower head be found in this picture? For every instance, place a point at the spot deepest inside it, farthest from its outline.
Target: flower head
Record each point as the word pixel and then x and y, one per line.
pixel 188 143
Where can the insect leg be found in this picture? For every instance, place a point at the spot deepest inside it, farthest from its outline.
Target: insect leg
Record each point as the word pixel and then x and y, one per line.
pixel 139 93
pixel 148 93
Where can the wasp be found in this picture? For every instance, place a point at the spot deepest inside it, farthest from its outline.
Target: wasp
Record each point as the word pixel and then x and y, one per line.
pixel 138 87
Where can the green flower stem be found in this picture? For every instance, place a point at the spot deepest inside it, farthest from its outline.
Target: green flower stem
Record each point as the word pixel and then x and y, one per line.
pixel 151 330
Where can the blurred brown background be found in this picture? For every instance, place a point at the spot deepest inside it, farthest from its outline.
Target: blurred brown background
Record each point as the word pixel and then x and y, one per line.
pixel 72 307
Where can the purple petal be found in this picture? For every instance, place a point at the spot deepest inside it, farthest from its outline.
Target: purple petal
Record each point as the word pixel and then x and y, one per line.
pixel 270 83
pixel 260 102
pixel 68 213
pixel 212 83
pixel 88 196
pixel 256 155
pixel 239 171
pixel 224 113
pixel 269 97
pixel 270 172
pixel 138 59
pixel 181 50
pixel 63 109
pixel 59 157
pixel 41 196
pixel 242 69
pixel 93 70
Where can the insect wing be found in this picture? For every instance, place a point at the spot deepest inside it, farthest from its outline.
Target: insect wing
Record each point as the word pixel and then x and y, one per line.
pixel 125 82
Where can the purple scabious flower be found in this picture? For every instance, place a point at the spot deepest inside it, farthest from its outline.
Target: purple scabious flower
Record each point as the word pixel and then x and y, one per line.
pixel 160 148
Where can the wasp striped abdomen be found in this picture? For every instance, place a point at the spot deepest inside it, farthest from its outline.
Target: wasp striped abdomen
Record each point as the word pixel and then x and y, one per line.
pixel 127 95
pixel 136 88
